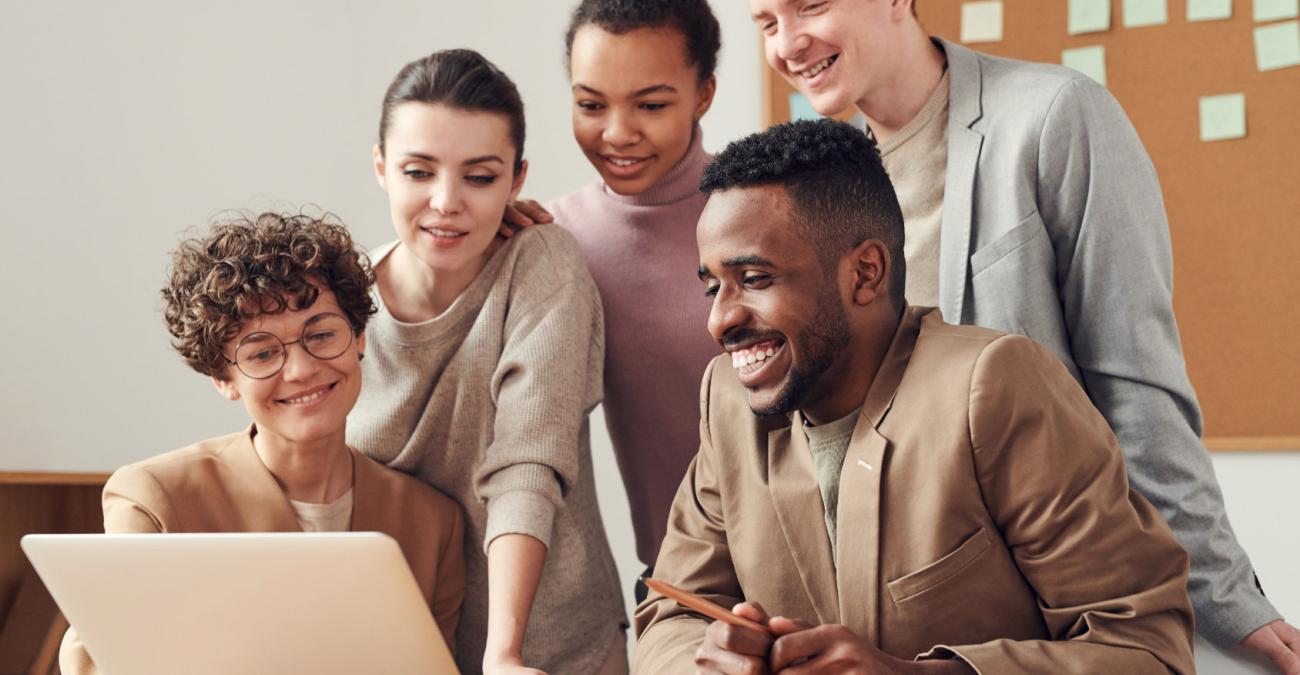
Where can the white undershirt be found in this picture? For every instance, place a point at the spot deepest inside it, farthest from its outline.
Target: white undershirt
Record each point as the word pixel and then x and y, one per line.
pixel 335 516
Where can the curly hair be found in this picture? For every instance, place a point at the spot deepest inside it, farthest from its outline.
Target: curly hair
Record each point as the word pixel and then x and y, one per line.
pixel 265 264
pixel 833 175
pixel 693 18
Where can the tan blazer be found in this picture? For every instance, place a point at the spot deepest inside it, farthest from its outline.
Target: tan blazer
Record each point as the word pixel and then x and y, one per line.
pixel 983 511
pixel 221 485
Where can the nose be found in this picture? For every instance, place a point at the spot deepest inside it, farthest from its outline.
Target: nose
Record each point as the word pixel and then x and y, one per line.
pixel 789 43
pixel 620 130
pixel 298 364
pixel 445 194
pixel 727 314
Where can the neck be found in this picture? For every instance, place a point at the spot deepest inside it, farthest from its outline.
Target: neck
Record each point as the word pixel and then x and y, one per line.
pixel 893 103
pixel 318 472
pixel 844 385
pixel 414 292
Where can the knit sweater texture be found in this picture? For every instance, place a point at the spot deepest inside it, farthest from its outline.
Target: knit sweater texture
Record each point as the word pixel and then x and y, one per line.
pixel 488 402
pixel 642 253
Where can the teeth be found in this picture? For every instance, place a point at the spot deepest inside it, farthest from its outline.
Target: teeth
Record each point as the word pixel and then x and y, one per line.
pixel 444 234
pixel 748 357
pixel 623 162
pixel 817 68
pixel 305 399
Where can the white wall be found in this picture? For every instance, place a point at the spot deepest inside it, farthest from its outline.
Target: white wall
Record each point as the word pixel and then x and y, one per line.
pixel 125 124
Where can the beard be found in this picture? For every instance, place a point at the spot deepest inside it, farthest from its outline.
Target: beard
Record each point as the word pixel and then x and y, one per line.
pixel 824 337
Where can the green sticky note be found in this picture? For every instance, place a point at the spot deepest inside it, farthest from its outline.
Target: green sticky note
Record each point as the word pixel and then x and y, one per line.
pixel 801 108
pixel 1089 16
pixel 981 21
pixel 1145 13
pixel 1090 61
pixel 1223 117
pixel 1209 10
pixel 1272 10
pixel 1277 45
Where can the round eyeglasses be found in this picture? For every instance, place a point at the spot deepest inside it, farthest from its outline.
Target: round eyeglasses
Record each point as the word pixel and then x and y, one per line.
pixel 261 355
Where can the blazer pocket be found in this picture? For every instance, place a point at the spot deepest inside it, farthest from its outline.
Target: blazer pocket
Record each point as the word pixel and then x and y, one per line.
pixel 1023 233
pixel 940 570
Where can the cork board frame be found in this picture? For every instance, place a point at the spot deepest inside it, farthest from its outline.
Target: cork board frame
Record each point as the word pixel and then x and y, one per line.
pixel 1233 206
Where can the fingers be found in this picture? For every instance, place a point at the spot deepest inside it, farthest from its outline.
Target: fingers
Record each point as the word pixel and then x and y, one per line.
pixel 737 639
pixel 710 659
pixel 800 645
pixel 1268 641
pixel 534 211
pixel 752 611
pixel 780 625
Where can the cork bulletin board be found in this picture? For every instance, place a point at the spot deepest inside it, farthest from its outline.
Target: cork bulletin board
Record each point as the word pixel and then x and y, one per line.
pixel 1233 205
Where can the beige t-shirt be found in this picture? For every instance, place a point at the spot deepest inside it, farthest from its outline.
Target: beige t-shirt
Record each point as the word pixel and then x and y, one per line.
pixel 335 516
pixel 829 444
pixel 916 159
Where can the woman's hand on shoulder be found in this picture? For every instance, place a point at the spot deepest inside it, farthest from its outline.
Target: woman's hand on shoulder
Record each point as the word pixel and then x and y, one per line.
pixel 523 213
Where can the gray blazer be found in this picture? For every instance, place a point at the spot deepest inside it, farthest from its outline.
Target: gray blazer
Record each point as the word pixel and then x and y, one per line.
pixel 1054 227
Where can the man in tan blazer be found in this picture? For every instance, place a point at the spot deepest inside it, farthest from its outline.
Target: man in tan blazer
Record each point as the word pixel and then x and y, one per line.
pixel 886 492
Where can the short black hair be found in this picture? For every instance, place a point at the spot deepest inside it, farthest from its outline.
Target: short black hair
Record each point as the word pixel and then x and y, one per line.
pixel 693 18
pixel 833 175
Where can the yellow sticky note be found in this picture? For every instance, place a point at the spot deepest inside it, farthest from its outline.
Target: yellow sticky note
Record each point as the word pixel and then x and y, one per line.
pixel 981 21
pixel 1090 61
pixel 1145 13
pixel 1223 117
pixel 1209 10
pixel 1272 10
pixel 1088 16
pixel 1277 45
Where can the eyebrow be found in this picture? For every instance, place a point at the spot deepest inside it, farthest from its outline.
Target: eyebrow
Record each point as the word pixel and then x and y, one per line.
pixel 738 261
pixel 481 159
pixel 652 89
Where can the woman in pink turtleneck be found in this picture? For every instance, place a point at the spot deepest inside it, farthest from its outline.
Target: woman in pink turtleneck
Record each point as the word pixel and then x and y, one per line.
pixel 642 76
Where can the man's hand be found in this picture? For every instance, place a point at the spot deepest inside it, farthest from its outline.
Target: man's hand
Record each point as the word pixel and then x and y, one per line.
pixel 1279 641
pixel 521 214
pixel 735 650
pixel 802 649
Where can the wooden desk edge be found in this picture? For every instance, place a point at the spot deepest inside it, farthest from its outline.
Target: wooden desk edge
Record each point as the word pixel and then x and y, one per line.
pixel 52 478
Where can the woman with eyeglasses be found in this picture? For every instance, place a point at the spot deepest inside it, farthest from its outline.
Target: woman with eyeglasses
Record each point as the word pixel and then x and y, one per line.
pixel 484 361
pixel 273 309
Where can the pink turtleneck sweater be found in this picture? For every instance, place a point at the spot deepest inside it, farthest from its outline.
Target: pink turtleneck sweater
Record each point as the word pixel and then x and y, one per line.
pixel 641 251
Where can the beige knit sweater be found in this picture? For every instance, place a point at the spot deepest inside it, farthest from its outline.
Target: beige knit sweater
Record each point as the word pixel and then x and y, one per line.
pixel 488 402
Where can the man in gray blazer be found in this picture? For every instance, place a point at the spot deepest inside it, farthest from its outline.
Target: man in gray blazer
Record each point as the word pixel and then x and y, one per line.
pixel 1031 207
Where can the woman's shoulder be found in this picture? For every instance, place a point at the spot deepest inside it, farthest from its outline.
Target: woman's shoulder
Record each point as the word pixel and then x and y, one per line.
pixel 404 490
pixel 548 257
pixel 182 462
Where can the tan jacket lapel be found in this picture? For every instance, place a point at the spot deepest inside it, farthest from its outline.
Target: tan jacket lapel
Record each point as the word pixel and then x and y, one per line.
pixel 798 504
pixel 858 514
pixel 255 491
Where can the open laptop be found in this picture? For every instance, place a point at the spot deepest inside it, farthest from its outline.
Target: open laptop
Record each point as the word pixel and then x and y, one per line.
pixel 217 604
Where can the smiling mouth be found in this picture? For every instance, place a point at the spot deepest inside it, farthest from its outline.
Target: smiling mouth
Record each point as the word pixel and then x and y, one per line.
pixel 443 234
pixel 752 359
pixel 815 69
pixel 309 397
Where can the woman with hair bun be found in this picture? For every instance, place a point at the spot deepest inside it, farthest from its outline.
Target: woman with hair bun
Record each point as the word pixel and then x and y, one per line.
pixel 274 309
pixel 485 359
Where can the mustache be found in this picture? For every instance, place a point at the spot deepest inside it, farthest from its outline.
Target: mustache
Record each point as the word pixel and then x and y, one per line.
pixel 739 336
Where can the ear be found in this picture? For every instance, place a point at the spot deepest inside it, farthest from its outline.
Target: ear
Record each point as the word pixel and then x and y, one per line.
pixel 707 90
pixel 226 388
pixel 900 9
pixel 361 342
pixel 378 157
pixel 869 267
pixel 518 183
